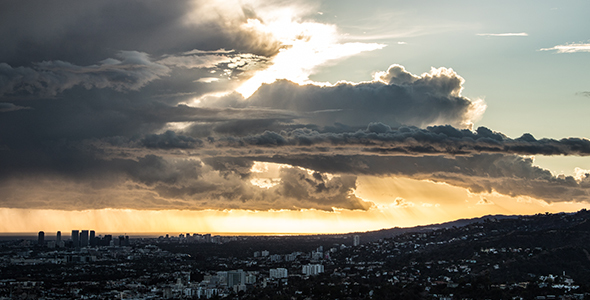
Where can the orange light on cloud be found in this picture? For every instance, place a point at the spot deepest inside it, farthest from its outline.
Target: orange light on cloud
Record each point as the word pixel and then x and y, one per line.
pixel 398 202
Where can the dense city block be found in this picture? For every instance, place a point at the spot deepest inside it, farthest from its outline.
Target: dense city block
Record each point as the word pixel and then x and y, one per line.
pixel 544 256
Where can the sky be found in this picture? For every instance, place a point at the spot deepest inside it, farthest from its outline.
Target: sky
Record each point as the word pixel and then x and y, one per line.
pixel 290 116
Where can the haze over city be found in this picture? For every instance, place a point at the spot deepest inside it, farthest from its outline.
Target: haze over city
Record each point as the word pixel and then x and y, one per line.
pixel 290 116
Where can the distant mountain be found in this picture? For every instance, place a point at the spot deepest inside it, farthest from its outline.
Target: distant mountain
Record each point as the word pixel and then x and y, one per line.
pixel 371 236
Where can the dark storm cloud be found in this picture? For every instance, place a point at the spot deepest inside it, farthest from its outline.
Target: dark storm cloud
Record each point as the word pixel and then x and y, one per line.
pixel 60 127
pixel 244 127
pixel 154 170
pixel 92 96
pixel 153 182
pixel 107 77
pixel 169 139
pixel 83 33
pixel 131 71
pixel 80 114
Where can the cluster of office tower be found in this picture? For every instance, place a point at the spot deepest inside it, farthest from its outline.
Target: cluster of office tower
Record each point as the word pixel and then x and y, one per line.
pixel 83 238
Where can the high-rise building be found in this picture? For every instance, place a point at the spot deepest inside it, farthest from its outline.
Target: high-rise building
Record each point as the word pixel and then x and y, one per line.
pixel 278 273
pixel 106 241
pixel 41 238
pixel 314 269
pixel 58 241
pixel 92 240
pixel 75 239
pixel 236 278
pixel 84 238
pixel 356 240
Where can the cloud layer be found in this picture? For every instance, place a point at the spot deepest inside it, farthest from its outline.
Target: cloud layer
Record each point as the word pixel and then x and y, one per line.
pixel 141 105
pixel 379 138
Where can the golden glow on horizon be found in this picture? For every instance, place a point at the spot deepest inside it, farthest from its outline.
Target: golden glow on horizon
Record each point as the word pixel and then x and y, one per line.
pixel 399 202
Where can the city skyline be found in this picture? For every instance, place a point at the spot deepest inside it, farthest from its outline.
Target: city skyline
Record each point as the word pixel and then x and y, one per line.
pixel 290 117
pixel 468 259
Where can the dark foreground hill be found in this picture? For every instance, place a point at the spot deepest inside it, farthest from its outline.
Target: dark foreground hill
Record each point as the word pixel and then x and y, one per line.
pixel 544 255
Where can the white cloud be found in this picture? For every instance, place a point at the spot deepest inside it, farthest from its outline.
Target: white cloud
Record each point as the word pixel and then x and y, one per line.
pixel 504 34
pixel 569 48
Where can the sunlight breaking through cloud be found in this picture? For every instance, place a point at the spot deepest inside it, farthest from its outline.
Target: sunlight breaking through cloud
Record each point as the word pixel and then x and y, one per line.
pixel 306 46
